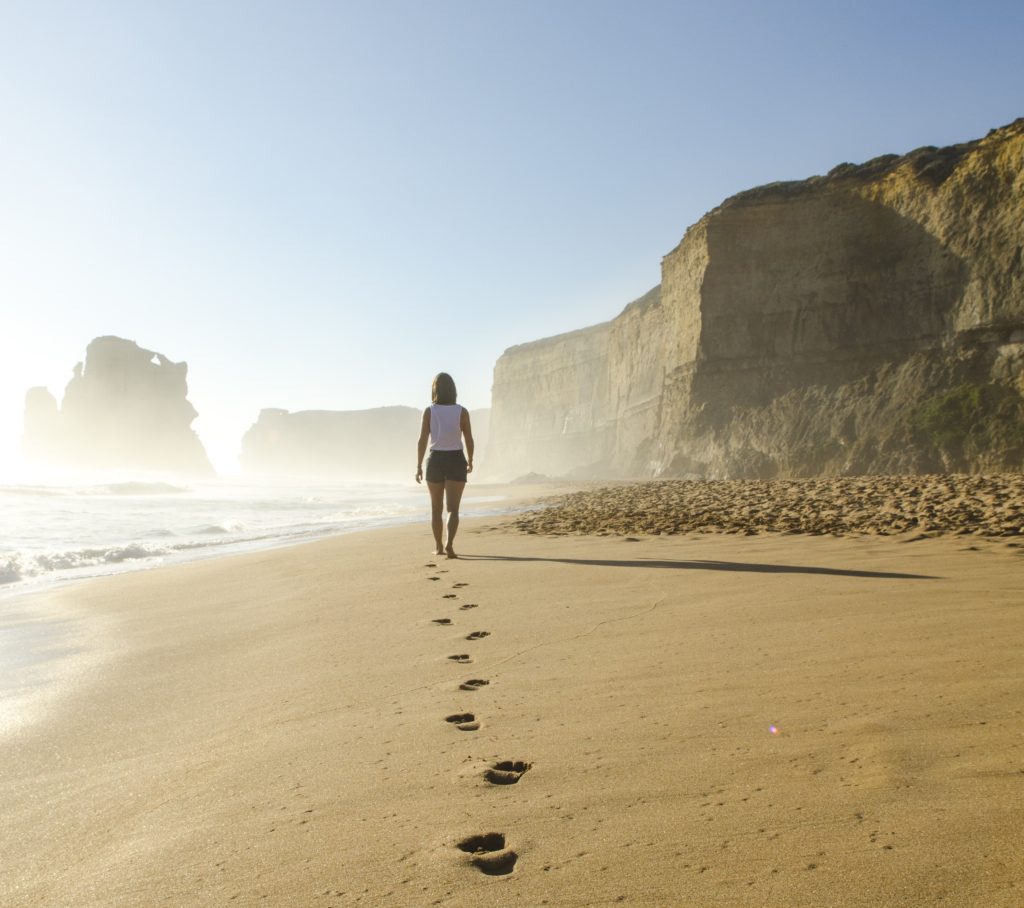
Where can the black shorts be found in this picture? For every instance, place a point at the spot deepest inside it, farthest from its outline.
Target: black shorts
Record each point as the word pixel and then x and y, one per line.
pixel 442 465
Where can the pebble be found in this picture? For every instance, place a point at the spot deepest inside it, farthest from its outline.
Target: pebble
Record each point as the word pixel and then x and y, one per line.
pixel 932 505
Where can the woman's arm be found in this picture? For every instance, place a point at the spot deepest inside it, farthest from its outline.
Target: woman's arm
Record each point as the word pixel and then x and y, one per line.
pixel 421 447
pixel 467 431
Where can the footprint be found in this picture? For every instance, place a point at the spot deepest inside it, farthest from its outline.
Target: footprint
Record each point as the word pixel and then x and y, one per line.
pixel 473 684
pixel 462 658
pixel 463 721
pixel 481 844
pixel 491 858
pixel 433 578
pixel 449 596
pixel 507 772
pixel 468 605
pixel 430 564
pixel 478 635
pixel 496 864
pixel 441 620
pixel 456 586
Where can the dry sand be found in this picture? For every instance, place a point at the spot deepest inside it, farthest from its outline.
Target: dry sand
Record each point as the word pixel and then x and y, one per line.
pixel 271 729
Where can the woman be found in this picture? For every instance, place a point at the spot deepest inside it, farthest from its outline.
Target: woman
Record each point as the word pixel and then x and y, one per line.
pixel 445 423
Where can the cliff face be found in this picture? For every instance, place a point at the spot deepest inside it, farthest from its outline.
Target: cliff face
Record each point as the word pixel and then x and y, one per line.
pixel 871 320
pixel 555 400
pixel 125 407
pixel 379 443
pixel 355 444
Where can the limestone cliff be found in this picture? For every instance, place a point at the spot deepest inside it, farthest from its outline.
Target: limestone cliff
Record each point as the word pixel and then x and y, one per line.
pixel 552 401
pixel 379 443
pixel 124 408
pixel 870 320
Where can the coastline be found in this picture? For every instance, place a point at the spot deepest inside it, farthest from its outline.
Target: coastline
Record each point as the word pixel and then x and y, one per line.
pixel 270 727
pixel 44 644
pixel 45 649
pixel 225 520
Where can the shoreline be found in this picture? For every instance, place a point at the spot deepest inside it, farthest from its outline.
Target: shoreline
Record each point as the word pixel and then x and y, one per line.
pixel 510 497
pixel 45 645
pixel 272 727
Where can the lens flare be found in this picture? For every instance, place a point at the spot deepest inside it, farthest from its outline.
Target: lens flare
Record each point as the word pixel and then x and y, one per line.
pixel 773 730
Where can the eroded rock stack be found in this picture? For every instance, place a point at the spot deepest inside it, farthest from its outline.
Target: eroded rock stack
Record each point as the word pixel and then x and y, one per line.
pixel 125 408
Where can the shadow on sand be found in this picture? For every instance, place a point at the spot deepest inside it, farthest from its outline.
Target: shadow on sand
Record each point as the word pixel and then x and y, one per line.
pixel 708 566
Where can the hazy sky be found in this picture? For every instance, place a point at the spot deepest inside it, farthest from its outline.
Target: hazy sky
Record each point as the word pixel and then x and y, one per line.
pixel 320 205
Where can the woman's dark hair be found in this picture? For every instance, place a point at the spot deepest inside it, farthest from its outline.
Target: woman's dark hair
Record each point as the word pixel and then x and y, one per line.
pixel 443 389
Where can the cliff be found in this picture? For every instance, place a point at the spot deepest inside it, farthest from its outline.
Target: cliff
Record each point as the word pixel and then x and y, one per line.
pixel 124 408
pixel 379 443
pixel 869 320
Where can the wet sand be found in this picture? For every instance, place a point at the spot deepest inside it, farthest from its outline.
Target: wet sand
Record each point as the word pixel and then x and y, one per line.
pixel 678 720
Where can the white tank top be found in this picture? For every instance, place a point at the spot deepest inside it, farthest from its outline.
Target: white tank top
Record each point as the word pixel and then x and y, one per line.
pixel 445 427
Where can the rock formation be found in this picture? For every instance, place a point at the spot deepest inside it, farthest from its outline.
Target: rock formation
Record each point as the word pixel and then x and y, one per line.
pixel 379 443
pixel 870 320
pixel 125 408
pixel 355 444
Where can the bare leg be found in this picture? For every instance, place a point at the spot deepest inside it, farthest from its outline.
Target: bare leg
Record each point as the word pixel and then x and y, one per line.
pixel 436 490
pixel 453 493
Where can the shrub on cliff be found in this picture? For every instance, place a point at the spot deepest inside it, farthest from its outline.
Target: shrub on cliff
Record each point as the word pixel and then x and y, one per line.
pixel 972 421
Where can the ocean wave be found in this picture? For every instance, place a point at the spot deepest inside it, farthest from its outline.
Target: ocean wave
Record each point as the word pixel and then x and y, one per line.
pixel 10 571
pixel 89 530
pixel 115 488
pixel 62 561
pixel 23 566
pixel 137 488
pixel 34 491
pixel 220 529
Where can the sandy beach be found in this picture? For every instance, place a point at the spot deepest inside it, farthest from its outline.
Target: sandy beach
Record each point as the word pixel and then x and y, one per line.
pixel 691 719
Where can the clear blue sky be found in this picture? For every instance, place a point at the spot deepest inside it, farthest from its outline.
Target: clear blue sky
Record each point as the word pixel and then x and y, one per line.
pixel 320 205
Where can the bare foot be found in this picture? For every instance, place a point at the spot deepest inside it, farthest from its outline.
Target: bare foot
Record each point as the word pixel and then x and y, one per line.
pixel 439 551
pixel 450 552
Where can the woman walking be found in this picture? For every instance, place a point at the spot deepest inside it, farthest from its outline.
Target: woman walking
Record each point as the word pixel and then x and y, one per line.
pixel 445 424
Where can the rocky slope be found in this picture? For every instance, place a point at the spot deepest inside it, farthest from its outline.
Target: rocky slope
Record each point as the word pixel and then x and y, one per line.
pixel 124 408
pixel 869 320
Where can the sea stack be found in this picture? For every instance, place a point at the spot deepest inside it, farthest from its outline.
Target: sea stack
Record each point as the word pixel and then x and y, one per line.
pixel 125 408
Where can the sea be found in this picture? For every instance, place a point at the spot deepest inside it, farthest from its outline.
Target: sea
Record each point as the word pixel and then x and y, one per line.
pixel 52 533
